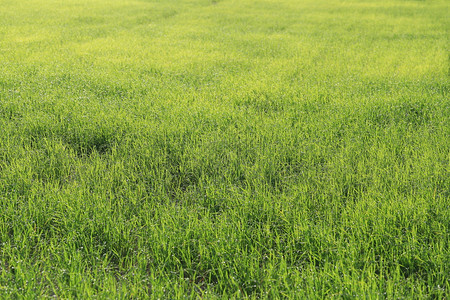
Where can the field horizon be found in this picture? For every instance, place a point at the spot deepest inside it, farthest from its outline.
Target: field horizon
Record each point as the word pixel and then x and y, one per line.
pixel 224 149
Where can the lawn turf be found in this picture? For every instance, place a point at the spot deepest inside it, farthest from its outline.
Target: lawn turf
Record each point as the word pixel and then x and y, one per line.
pixel 224 149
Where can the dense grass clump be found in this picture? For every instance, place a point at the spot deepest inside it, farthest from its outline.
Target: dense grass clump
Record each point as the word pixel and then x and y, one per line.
pixel 224 149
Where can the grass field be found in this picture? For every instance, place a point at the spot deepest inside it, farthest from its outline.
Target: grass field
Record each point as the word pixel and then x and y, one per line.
pixel 224 149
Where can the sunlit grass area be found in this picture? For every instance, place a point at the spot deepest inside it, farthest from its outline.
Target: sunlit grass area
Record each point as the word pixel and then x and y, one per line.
pixel 224 149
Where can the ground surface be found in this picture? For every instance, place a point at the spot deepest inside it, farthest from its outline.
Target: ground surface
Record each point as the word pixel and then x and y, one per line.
pixel 270 148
